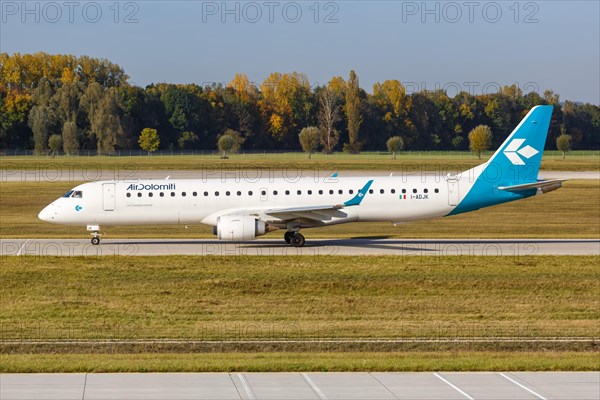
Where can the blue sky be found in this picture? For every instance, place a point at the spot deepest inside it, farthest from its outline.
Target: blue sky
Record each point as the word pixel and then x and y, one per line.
pixel 473 46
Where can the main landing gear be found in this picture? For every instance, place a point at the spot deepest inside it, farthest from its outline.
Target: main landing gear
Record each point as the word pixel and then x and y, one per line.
pixel 296 239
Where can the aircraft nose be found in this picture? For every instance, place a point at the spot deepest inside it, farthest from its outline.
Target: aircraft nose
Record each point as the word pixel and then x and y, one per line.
pixel 47 214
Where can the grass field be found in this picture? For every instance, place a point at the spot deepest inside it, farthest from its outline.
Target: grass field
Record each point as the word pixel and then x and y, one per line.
pixel 243 298
pixel 290 362
pixel 570 212
pixel 428 161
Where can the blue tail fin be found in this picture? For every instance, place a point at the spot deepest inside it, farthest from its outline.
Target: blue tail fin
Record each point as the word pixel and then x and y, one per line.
pixel 516 162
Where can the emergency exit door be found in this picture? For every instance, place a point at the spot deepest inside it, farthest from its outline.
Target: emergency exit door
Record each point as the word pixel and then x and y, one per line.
pixel 453 192
pixel 108 196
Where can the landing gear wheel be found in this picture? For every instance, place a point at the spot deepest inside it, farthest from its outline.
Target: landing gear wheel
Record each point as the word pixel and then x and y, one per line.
pixel 95 240
pixel 297 240
pixel 288 237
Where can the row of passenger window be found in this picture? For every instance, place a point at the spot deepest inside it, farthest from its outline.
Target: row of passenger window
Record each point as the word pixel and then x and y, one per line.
pixel 275 192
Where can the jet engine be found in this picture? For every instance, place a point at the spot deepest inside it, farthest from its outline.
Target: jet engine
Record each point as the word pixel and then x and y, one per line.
pixel 239 227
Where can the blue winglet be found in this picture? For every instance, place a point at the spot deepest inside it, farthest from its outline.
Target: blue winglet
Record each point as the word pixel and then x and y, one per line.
pixel 356 200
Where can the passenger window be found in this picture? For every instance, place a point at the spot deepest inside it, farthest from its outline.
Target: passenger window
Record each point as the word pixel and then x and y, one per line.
pixel 403 190
pixel 183 194
pixel 263 193
pixel 227 193
pixel 128 194
pixel 162 194
pixel 425 191
pixel 239 193
pixel 393 191
pixel 351 191
pixel 217 194
pixel 150 194
pixel 139 194
pixel 205 194
pixel 299 192
pixel 250 193
pixel 340 191
pixel 331 192
pixel 371 191
pixel 381 191
pixel 287 192
pixel 194 194
pixel 437 190
pixel 414 190
pixel 172 194
pixel 274 192
pixel 320 192
pixel 309 192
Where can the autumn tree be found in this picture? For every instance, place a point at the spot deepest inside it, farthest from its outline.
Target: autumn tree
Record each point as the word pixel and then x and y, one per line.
pixel 480 139
pixel 563 143
pixel 55 143
pixel 229 142
pixel 70 138
pixel 353 114
pixel 309 139
pixel 328 116
pixel 394 145
pixel 149 140
pixel 106 123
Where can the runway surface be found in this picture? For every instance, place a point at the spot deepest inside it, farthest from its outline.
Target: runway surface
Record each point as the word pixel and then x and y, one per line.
pixel 94 173
pixel 355 385
pixel 313 247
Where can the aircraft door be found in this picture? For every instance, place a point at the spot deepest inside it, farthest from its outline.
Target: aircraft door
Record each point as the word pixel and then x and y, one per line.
pixel 453 192
pixel 108 196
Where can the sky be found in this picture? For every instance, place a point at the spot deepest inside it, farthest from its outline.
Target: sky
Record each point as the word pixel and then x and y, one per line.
pixel 476 46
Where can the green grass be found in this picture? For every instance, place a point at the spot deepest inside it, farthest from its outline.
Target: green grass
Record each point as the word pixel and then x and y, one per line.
pixel 269 298
pixel 570 212
pixel 576 161
pixel 252 297
pixel 289 362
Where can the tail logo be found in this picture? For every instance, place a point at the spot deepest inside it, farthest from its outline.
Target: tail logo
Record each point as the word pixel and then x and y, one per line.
pixel 514 149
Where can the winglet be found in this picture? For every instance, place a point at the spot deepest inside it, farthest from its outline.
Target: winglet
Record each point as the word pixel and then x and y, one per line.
pixel 356 200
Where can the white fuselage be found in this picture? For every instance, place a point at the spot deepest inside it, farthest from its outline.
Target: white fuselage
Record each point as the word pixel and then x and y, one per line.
pixel 191 201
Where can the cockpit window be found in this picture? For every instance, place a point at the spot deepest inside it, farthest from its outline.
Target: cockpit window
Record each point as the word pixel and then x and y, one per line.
pixel 75 194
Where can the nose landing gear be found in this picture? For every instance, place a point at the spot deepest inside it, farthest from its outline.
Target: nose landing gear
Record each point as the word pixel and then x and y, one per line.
pixel 95 234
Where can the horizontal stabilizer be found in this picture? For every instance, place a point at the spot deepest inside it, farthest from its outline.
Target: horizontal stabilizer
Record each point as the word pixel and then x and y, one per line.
pixel 546 186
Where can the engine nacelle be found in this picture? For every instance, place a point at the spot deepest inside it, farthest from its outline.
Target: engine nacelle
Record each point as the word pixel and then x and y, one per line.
pixel 239 227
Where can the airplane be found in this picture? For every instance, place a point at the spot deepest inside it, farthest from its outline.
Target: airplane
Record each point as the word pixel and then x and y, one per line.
pixel 244 210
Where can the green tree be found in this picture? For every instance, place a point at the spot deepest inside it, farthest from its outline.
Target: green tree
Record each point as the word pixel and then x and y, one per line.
pixel 55 143
pixel 41 121
pixel 149 140
pixel 480 139
pixel 187 140
pixel 229 142
pixel 353 114
pixel 563 143
pixel 70 138
pixel 309 139
pixel 395 144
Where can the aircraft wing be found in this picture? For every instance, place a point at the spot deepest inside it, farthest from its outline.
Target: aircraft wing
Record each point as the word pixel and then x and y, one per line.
pixel 549 184
pixel 312 213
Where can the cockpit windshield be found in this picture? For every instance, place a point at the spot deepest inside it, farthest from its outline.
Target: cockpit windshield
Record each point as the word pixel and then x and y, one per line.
pixel 75 194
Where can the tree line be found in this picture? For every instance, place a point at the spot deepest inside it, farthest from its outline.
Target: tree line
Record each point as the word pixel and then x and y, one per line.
pixel 83 103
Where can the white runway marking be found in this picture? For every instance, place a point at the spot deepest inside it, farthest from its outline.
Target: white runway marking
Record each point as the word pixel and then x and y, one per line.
pixel 247 387
pixel 23 246
pixel 539 396
pixel 459 390
pixel 314 387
